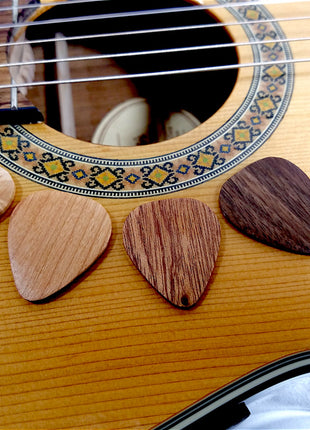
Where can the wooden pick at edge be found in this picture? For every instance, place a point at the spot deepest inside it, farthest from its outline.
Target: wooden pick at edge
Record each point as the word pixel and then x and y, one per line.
pixel 269 200
pixel 53 237
pixel 174 243
pixel 7 190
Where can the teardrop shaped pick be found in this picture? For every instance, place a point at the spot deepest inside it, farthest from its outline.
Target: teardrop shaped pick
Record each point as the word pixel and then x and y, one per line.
pixel 174 243
pixel 269 200
pixel 53 237
pixel 7 190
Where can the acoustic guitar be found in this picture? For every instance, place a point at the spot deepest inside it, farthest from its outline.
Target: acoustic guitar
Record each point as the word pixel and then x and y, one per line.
pixel 110 352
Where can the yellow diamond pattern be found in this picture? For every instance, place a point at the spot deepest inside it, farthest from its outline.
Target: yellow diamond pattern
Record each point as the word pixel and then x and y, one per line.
pixel 205 160
pixel 252 14
pixel 183 169
pixel 106 178
pixel 270 44
pixel 225 148
pixel 265 104
pixel 9 143
pixel 53 167
pixel 158 175
pixel 30 157
pixel 274 72
pixel 242 135
pixel 79 175
pixel 132 178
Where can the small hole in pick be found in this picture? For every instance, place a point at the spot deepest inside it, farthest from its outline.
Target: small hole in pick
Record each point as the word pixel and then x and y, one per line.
pixel 184 301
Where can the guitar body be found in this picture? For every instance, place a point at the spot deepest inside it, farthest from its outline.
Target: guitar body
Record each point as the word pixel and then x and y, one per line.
pixel 111 353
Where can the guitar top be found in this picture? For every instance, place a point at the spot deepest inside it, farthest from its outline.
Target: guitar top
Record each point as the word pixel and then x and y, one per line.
pixel 109 352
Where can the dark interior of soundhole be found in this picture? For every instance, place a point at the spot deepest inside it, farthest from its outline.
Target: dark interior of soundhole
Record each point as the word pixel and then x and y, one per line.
pixel 200 93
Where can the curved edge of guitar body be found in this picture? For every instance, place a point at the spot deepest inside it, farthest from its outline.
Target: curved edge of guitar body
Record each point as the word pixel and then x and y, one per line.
pixel 113 354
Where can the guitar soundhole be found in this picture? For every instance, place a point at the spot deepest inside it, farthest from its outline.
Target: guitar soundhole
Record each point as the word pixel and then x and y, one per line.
pixel 196 96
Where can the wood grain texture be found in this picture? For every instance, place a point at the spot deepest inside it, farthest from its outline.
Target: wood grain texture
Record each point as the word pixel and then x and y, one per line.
pixel 53 237
pixel 270 202
pixel 174 243
pixel 7 190
pixel 111 354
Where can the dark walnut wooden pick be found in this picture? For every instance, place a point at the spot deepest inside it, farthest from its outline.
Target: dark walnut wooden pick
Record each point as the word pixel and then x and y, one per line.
pixel 53 237
pixel 174 243
pixel 269 201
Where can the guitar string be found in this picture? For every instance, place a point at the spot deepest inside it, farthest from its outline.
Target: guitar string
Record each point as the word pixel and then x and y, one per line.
pixel 156 74
pixel 152 52
pixel 150 31
pixel 14 96
pixel 75 2
pixel 150 12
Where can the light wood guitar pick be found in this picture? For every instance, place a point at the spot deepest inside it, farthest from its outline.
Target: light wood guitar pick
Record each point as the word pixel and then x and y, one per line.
pixel 174 243
pixel 7 190
pixel 269 201
pixel 53 237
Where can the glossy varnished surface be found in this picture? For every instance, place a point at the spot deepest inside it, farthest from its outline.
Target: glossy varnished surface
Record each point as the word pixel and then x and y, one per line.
pixel 111 353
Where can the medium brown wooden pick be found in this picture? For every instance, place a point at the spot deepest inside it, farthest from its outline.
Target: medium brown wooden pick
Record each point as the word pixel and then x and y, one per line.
pixel 269 201
pixel 53 237
pixel 174 243
pixel 7 190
